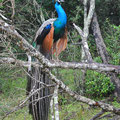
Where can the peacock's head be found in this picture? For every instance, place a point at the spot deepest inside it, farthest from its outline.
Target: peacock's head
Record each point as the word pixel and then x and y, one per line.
pixel 59 1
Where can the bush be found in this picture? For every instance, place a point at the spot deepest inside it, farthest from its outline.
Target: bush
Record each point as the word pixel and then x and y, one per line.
pixel 97 84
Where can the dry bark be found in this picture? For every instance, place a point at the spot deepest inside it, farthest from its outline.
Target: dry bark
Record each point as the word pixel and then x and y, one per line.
pixel 67 65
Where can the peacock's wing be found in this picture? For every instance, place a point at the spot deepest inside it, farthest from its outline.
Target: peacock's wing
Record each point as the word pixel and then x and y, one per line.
pixel 48 42
pixel 42 27
pixel 40 38
pixel 44 37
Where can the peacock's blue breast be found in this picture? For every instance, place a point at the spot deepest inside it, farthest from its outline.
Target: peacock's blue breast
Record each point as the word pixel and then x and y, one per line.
pixel 59 29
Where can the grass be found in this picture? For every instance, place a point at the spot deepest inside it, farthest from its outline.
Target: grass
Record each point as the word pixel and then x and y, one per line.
pixel 7 103
pixel 78 111
pixel 13 85
pixel 72 111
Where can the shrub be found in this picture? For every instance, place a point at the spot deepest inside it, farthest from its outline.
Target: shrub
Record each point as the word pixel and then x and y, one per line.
pixel 97 84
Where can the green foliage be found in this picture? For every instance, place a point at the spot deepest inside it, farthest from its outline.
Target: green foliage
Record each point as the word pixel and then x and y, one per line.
pixel 1 6
pixel 92 46
pixel 108 9
pixel 62 100
pixel 116 104
pixel 98 85
pixel 112 40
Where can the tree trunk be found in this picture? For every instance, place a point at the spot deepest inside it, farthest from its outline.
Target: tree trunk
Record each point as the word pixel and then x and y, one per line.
pixel 39 103
pixel 101 47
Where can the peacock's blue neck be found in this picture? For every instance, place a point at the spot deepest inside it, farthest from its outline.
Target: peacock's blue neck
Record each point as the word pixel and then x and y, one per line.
pixel 61 14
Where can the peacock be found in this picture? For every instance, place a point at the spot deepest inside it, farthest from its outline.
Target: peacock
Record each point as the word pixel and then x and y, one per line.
pixel 51 38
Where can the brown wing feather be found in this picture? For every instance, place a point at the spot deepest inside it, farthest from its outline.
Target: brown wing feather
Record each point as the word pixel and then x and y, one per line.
pixel 47 22
pixel 60 45
pixel 48 41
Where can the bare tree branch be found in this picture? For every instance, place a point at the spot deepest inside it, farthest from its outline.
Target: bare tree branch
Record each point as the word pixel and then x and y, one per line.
pixel 13 8
pixel 3 17
pixel 51 109
pixel 91 12
pixel 66 65
pixel 17 62
pixel 84 34
pixel 56 106
pixel 78 29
